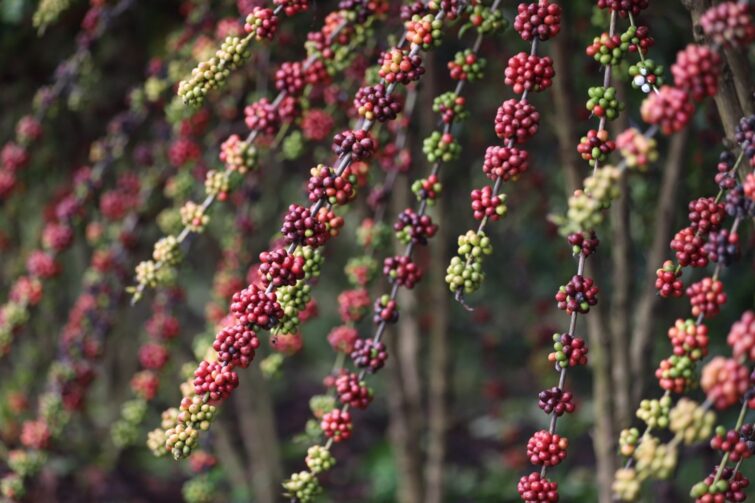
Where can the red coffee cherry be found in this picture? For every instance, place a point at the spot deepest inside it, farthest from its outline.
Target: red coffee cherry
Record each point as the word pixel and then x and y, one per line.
pixel 290 78
pixel 722 247
pixel 516 120
pixel 689 248
pixel 153 356
pixel 353 305
pixel 401 270
pixel 741 337
pixel 486 205
pixel 577 295
pixel 541 19
pixel 299 226
pixel 261 23
pixel 357 142
pixel 369 355
pixel 411 227
pixel 255 308
pixel 217 380
pixel 696 71
pixel 325 184
pixel 544 448
pixel 706 297
pixel 670 109
pixel 556 401
pixel 145 384
pixel 342 338
pixel 667 280
pixel 529 72
pixel 236 345
pixel 279 268
pixel 352 391
pixel 624 7
pixel 533 488
pixel 293 7
pixel 705 214
pixel 316 124
pixel 505 162
pixel 724 381
pixel 583 243
pixel 400 66
pixel 375 104
pixel 42 265
pixel 729 24
pixel 262 116
pixel 336 425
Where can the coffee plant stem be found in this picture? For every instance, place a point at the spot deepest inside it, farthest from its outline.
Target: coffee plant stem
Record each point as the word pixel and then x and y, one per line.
pixel 737 426
pixel 606 84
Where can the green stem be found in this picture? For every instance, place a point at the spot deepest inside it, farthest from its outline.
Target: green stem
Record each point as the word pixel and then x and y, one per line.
pixel 725 459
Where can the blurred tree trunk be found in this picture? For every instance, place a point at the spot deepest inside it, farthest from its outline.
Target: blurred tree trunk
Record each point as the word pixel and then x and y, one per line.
pixel 604 435
pixel 405 447
pixel 438 368
pixel 258 435
pixel 227 450
pixel 621 275
pixel 564 124
pixel 646 311
pixel 405 399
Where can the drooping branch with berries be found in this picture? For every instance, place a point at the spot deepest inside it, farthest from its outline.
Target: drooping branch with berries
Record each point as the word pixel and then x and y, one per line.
pixel 516 121
pixel 81 343
pixel 283 271
pixel 15 155
pixel 329 52
pixel 86 377
pixel 413 228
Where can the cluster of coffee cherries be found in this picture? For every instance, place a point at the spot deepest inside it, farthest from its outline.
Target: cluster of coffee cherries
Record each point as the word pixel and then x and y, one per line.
pixel 466 65
pixel 161 328
pixel 724 483
pixel 696 72
pixel 515 123
pixel 14 156
pixel 350 388
pixel 265 119
pixel 185 152
pixel 79 346
pixel 258 308
pixel 704 240
pixel 260 24
pixel 726 382
pixel 15 153
pixel 729 24
pixel 690 423
pixel 413 227
pixel 237 155
pixel 42 264
pixel 690 344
